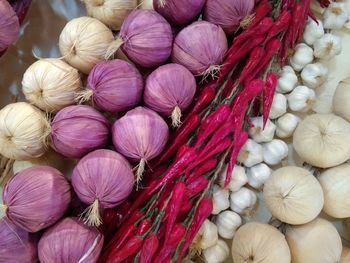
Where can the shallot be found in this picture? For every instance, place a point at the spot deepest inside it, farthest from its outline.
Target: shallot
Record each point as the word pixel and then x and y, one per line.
pixel 9 25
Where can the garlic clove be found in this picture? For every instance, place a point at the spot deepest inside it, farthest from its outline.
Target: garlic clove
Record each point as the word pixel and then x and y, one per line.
pixel 335 16
pixel 279 106
pixel 303 55
pixel 259 133
pixel 258 175
pixel 220 199
pixel 313 31
pixel 227 223
pixel 275 151
pixel 207 235
pixel 314 75
pixel 301 99
pixel 327 46
pixel 250 154
pixel 287 80
pixel 286 125
pixel 243 201
pixel 217 253
pixel 238 178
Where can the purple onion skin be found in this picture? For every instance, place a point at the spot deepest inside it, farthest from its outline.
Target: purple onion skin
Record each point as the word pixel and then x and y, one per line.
pixel 78 130
pixel 140 134
pixel 9 25
pixel 116 84
pixel 103 175
pixel 169 86
pixel 179 12
pixel 199 46
pixel 70 241
pixel 227 13
pixel 147 38
pixel 36 198
pixel 16 245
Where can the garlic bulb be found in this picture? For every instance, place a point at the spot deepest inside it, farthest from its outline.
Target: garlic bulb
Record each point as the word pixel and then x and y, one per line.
pixel 217 253
pixel 242 201
pixel 259 133
pixel 207 235
pixel 23 131
pixel 51 84
pixel 345 255
pixel 257 242
pixel 335 183
pixel 145 4
pixel 84 42
pixel 238 178
pixel 286 125
pixel 110 12
pixel 227 223
pixel 314 75
pixel 250 154
pixel 341 105
pixel 327 46
pixel 335 16
pixel 258 175
pixel 293 195
pixel 275 151
pixel 301 99
pixel 220 199
pixel 315 242
pixel 321 140
pixel 303 55
pixel 279 106
pixel 313 31
pixel 287 80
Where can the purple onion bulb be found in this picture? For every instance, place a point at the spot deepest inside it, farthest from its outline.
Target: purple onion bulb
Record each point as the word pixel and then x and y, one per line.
pixel 114 86
pixel 16 245
pixel 170 90
pixel 78 130
pixel 201 48
pixel 70 241
pixel 140 135
pixel 102 179
pixel 9 25
pixel 229 14
pixel 36 198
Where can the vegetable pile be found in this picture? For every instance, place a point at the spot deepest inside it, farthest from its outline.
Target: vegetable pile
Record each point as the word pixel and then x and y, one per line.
pixel 171 142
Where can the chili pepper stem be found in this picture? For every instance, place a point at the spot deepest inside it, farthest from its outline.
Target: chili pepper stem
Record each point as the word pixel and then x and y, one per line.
pixel 176 116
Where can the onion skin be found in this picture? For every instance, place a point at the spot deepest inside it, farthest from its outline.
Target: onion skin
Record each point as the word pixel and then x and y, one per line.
pixel 36 198
pixel 9 25
pixel 70 241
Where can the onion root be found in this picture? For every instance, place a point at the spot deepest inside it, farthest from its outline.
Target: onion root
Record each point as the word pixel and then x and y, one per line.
pixel 176 116
pixel 92 214
pixel 113 47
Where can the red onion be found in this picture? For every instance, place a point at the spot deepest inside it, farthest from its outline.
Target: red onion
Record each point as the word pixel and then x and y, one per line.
pixel 229 14
pixel 78 130
pixel 102 179
pixel 16 245
pixel 170 90
pixel 36 198
pixel 145 37
pixel 9 25
pixel 70 241
pixel 179 12
pixel 140 135
pixel 201 48
pixel 114 86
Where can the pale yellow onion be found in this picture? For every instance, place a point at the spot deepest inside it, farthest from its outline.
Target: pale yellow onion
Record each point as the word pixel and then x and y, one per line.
pixel 84 41
pixel 314 242
pixel 146 4
pixel 23 131
pixel 51 84
pixel 341 105
pixel 293 195
pixel 335 183
pixel 321 140
pixel 259 243
pixel 110 12
pixel 345 255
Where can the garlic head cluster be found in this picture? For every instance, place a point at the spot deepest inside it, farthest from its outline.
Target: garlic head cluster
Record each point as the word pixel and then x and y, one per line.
pixel 250 154
pixel 286 125
pixel 259 133
pixel 275 151
pixel 313 31
pixel 314 75
pixel 303 55
pixel 287 80
pixel 207 235
pixel 243 201
pixel 327 46
pixel 238 178
pixel 336 15
pixel 217 253
pixel 227 223
pixel 220 199
pixel 279 106
pixel 301 99
pixel 258 175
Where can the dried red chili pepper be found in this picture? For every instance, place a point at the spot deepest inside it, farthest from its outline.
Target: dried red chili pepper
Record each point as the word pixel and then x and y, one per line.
pixel 269 92
pixel 324 3
pixel 255 58
pixel 286 43
pixel 132 247
pixel 181 151
pixel 304 15
pixel 196 186
pixel 149 248
pixel 261 11
pixel 143 227
pixel 287 4
pixel 202 170
pixel 206 96
pixel 280 25
pixel 296 21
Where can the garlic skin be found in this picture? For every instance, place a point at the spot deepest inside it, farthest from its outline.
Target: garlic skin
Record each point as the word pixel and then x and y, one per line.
pixel 242 201
pixel 260 134
pixel 227 223
pixel 314 75
pixel 313 31
pixel 238 178
pixel 301 99
pixel 217 253
pixel 279 106
pixel 287 80
pixel 327 46
pixel 275 151
pixel 345 255
pixel 207 235
pixel 250 154
pixel 258 175
pixel 335 16
pixel 220 199
pixel 341 105
pixel 303 55
pixel 286 125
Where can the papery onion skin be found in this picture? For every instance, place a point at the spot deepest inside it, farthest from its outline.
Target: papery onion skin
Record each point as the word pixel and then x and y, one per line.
pixel 78 130
pixel 36 198
pixel 179 12
pixel 116 85
pixel 200 47
pixel 228 13
pixel 16 245
pixel 9 25
pixel 70 241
